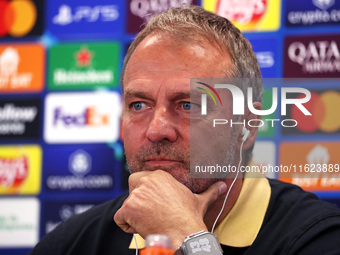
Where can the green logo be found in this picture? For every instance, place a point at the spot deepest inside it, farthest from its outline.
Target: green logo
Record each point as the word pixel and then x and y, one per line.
pixel 83 66
pixel 267 130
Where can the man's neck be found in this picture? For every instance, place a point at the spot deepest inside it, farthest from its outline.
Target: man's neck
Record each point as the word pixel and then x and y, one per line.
pixel 216 207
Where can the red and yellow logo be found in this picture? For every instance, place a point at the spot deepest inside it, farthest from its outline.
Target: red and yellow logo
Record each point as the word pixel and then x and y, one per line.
pixel 17 17
pixel 21 68
pixel 313 166
pixel 248 15
pixel 325 110
pixel 20 169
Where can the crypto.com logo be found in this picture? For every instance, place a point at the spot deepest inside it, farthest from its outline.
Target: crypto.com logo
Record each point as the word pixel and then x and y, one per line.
pixel 238 102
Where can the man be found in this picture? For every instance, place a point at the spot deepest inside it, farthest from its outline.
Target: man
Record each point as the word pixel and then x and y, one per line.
pixel 261 216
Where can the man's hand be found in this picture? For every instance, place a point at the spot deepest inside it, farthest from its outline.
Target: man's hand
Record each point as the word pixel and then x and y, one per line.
pixel 159 204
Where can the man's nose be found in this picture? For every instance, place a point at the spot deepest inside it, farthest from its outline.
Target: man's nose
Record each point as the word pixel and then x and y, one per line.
pixel 161 126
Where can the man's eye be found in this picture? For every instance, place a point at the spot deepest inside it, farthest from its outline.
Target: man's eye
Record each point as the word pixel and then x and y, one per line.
pixel 138 106
pixel 189 106
pixel 186 106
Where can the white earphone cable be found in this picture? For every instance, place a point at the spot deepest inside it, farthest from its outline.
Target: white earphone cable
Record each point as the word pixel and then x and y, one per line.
pixel 134 237
pixel 232 184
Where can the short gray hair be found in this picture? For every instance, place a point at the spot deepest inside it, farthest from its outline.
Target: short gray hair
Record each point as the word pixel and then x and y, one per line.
pixel 193 23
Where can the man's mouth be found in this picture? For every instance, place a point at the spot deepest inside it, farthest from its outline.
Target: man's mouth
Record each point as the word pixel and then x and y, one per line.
pixel 152 162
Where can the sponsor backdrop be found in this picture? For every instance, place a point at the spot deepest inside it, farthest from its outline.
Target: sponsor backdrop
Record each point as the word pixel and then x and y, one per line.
pixel 61 145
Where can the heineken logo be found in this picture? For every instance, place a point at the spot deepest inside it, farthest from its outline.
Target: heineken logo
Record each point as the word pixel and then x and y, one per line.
pixel 78 66
pixel 83 57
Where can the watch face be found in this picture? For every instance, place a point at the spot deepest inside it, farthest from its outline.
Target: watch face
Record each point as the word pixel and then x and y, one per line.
pixel 203 244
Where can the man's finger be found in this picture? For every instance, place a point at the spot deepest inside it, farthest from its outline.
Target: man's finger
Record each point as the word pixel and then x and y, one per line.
pixel 135 177
pixel 120 221
pixel 209 196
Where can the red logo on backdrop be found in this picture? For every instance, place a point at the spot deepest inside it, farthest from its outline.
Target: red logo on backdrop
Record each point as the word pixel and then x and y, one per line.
pixel 20 18
pixel 312 57
pixel 84 57
pixel 325 109
pixel 139 12
pixel 13 171
pixel 242 11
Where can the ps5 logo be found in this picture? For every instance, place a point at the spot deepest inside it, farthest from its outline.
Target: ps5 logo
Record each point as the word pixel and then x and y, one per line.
pixel 105 13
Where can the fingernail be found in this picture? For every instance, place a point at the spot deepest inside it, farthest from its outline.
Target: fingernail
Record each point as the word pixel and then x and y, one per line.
pixel 222 188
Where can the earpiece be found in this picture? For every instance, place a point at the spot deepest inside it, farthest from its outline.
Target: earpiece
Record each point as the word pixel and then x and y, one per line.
pixel 245 133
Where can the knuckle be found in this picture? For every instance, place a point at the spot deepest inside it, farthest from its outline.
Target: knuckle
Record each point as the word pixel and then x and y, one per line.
pixel 160 172
pixel 144 179
pixel 126 208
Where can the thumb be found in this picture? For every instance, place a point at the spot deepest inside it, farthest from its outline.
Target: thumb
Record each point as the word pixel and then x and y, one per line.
pixel 209 196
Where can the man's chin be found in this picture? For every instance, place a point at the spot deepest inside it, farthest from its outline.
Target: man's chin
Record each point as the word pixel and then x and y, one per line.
pixel 181 174
pixel 196 185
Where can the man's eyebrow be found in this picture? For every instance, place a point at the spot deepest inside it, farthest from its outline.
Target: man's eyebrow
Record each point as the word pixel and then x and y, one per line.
pixel 174 96
pixel 180 95
pixel 136 94
pixel 186 95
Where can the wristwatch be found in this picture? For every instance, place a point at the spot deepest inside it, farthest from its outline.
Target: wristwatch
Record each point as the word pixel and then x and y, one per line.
pixel 201 243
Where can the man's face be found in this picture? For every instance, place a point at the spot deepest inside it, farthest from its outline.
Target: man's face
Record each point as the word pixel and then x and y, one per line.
pixel 156 109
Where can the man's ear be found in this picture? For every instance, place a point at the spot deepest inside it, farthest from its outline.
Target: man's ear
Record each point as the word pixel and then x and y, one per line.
pixel 252 129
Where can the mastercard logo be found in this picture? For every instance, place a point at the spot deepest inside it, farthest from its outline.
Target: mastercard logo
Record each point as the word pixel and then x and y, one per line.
pixel 325 110
pixel 17 17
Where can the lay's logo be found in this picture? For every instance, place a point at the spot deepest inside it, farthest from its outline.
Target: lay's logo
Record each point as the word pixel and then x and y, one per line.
pixel 248 15
pixel 13 171
pixel 20 169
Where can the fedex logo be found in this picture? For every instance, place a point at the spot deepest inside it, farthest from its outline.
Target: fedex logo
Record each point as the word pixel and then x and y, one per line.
pixel 82 117
pixel 89 117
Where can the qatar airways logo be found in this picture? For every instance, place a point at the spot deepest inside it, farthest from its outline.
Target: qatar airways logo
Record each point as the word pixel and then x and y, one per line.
pixel 316 57
pixel 238 104
pixel 312 56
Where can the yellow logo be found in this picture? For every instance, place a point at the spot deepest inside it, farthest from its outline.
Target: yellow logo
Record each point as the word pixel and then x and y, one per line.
pixel 248 15
pixel 20 169
pixel 17 17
